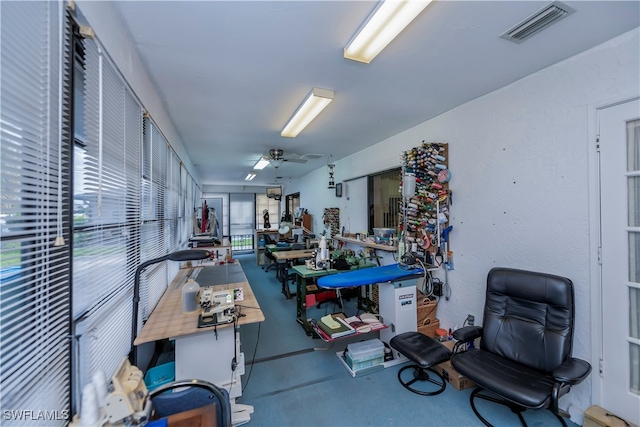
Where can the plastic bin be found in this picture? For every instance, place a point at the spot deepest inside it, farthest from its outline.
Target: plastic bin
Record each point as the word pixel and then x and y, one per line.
pixel 160 375
pixel 383 235
pixel 364 354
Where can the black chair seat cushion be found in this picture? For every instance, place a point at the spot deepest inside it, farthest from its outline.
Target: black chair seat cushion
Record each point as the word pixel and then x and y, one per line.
pixel 421 349
pixel 515 382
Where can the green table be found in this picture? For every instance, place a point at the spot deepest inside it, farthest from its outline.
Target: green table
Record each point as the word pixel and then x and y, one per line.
pixel 302 275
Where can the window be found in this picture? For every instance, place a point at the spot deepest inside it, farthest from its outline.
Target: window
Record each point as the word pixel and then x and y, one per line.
pixel 42 147
pixel 272 207
pixel 35 172
pixel 292 203
pixel 106 234
pixel 241 212
pixel 384 199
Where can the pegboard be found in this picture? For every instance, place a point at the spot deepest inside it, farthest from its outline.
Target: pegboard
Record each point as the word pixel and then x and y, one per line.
pixel 428 209
pixel 331 219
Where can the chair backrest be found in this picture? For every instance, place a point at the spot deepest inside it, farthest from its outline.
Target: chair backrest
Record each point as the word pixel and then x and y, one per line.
pixel 180 396
pixel 268 240
pixel 528 317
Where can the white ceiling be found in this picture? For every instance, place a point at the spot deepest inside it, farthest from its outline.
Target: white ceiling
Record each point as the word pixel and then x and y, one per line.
pixel 231 73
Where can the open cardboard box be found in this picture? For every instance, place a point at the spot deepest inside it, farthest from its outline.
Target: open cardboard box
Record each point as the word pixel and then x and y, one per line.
pixel 458 381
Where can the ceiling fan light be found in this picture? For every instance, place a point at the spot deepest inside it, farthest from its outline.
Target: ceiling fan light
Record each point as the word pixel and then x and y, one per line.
pixel 313 104
pixel 276 163
pixel 383 25
pixel 261 164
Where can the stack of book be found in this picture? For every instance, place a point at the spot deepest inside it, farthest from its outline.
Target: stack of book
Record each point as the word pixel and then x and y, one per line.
pixel 334 326
pixel 367 322
pixel 337 325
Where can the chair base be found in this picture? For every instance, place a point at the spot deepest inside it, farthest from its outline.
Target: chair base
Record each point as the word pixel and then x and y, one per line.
pixel 421 374
pixel 515 408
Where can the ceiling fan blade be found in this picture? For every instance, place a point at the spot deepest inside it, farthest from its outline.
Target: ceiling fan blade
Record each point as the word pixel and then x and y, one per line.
pixel 296 160
pixel 312 156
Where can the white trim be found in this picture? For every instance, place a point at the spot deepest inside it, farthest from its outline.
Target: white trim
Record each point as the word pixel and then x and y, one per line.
pixel 594 242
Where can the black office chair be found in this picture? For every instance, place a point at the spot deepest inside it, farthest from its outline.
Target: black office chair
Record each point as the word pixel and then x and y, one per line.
pixel 524 358
pixel 273 262
pixel 180 396
pixel 298 247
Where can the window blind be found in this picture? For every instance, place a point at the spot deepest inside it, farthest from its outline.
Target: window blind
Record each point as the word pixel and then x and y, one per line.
pixel 35 169
pixel 107 215
pixel 155 238
pixel 270 205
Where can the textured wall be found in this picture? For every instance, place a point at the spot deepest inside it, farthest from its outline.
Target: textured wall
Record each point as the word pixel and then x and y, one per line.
pixel 521 173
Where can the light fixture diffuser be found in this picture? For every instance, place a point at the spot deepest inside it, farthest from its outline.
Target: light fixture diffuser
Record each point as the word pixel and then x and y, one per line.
pixel 313 104
pixel 276 163
pixel 250 176
pixel 382 26
pixel 261 164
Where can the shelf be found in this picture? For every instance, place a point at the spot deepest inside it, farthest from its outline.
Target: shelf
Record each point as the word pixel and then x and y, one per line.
pixel 366 244
pixel 326 338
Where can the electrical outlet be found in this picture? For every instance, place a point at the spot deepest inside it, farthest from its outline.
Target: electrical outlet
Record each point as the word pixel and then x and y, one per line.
pixel 437 289
pixel 470 319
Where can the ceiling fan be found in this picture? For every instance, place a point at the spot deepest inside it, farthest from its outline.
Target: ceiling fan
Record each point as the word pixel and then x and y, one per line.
pixel 276 157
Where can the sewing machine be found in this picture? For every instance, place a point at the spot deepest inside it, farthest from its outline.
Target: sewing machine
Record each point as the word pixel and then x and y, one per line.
pixel 217 307
pixel 128 403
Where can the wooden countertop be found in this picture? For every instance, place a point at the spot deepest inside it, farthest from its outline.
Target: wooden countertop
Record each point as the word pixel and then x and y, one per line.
pixel 168 321
pixel 300 253
pixel 387 248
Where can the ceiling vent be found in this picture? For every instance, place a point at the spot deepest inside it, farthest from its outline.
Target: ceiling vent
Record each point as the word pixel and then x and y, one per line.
pixel 541 19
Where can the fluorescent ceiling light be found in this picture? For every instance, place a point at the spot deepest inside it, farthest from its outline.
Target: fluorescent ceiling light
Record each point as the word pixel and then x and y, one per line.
pixel 382 26
pixel 261 164
pixel 313 104
pixel 250 176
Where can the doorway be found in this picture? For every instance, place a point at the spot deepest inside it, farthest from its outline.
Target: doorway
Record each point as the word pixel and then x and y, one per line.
pixel 619 163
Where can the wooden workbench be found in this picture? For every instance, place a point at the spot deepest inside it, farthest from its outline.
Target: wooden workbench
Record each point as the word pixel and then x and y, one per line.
pixel 168 321
pixel 212 353
pixel 283 266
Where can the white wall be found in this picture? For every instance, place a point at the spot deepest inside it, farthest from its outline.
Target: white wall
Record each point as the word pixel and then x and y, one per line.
pixel 521 181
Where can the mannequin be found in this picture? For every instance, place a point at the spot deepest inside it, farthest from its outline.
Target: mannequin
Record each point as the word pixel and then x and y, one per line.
pixel 265 216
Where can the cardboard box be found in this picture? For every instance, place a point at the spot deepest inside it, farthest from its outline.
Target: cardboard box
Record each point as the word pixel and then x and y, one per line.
pixel 453 377
pixel 597 416
pixel 429 327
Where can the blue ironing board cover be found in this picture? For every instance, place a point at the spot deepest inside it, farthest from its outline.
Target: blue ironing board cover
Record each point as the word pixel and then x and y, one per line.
pixel 367 276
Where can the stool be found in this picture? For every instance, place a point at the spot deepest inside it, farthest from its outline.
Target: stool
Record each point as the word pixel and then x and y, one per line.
pixel 424 352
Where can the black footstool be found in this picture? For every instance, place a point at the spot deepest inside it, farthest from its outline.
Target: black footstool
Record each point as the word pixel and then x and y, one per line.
pixel 424 352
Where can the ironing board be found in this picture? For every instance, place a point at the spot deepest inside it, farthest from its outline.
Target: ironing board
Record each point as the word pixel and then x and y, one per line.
pixel 369 276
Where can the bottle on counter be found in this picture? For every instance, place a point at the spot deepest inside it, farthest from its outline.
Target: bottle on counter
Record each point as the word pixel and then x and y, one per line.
pixel 189 296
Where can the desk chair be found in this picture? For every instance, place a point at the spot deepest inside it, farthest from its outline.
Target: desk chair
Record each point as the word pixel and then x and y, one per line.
pixel 180 396
pixel 524 360
pixel 273 262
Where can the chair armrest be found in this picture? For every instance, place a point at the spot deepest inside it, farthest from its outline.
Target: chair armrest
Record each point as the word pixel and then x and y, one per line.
pixel 572 371
pixel 467 333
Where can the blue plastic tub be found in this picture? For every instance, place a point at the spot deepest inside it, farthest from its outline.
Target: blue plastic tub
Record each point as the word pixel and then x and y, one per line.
pixel 160 375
